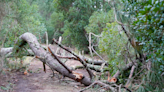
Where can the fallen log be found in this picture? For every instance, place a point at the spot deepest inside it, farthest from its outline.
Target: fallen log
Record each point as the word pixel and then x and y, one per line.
pixel 96 68
pixel 46 57
pixel 95 62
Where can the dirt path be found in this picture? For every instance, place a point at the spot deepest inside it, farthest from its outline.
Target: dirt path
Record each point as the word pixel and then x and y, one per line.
pixel 39 81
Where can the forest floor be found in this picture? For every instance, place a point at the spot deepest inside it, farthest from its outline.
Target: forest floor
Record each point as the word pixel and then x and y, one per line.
pixel 39 81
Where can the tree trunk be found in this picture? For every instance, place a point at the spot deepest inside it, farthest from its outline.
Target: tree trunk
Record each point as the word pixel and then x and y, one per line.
pixel 45 57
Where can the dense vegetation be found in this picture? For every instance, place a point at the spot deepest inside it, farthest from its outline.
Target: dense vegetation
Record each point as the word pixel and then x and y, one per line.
pixel 119 23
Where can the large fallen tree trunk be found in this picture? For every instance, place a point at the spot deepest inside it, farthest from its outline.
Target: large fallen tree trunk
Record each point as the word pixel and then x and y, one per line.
pixel 46 57
pixel 49 58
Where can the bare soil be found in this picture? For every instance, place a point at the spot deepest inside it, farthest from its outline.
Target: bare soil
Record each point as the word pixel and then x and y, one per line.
pixel 38 81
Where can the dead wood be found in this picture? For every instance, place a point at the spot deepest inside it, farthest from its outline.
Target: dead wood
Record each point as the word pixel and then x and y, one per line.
pixel 107 86
pixel 67 57
pixel 78 57
pixel 45 57
pixel 70 71
pixel 96 62
pixel 87 60
pixel 50 59
pixel 96 68
pixel 129 65
pixel 130 76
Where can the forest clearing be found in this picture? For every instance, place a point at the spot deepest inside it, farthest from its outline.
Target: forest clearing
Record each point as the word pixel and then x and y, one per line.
pixel 81 46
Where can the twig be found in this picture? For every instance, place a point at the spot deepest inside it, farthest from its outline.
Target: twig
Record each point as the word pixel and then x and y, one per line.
pixel 90 42
pixel 130 76
pixel 58 49
pixel 98 54
pixel 101 84
pixel 129 65
pixel 87 87
pixel 40 38
pixel 90 48
pixel 120 87
pixel 116 17
pixel 105 84
pixel 103 64
pixel 95 34
pixel 122 25
pixel 59 60
pixel 138 72
pixel 46 40
pixel 129 53
pixel 126 88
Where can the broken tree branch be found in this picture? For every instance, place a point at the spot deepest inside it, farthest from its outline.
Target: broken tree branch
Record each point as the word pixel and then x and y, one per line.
pixel 59 60
pixel 103 64
pixel 108 85
pixel 80 59
pixel 98 54
pixel 130 76
pixel 90 42
pixel 101 84
pixel 129 65
pixel 66 57
pixel 58 49
pixel 92 67
pixel 96 62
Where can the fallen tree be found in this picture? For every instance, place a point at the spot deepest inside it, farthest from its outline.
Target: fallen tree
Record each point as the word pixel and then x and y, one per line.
pixel 51 60
pixel 46 57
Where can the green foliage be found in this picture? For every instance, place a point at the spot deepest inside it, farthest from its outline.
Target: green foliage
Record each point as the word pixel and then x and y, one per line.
pixel 113 44
pixel 8 87
pixel 76 17
pixel 20 18
pixel 98 21
pixel 57 21
pixel 73 19
pixel 148 28
pixel 45 9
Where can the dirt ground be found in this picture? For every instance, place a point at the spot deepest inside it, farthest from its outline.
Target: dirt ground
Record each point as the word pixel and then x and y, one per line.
pixel 39 81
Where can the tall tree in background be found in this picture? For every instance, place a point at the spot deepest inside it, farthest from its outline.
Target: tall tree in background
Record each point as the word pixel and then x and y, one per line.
pixel 76 16
pixel 46 9
pixel 19 17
